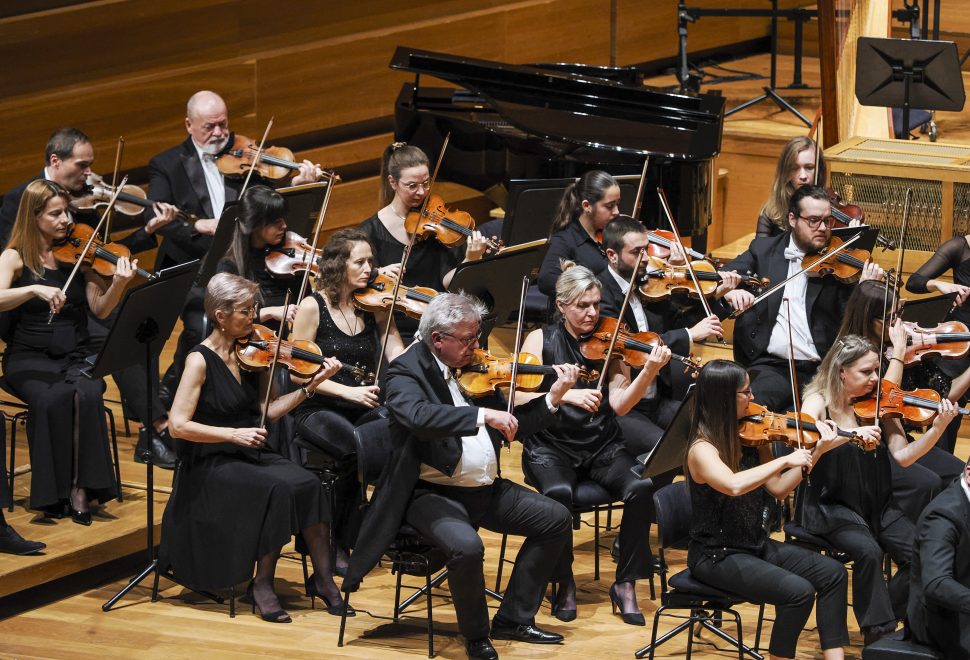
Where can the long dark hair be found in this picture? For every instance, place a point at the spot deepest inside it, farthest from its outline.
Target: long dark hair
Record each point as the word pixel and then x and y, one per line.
pixel 333 262
pixel 258 207
pixel 864 306
pixel 590 188
pixel 398 156
pixel 714 417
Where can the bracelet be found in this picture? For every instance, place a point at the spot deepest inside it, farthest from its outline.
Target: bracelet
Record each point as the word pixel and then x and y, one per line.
pixel 897 360
pixel 307 393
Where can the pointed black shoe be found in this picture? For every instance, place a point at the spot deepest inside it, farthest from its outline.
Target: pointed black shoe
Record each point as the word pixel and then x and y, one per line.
pixel 13 543
pixel 524 633
pixel 336 609
pixel 630 618
pixel 80 517
pixel 162 456
pixel 481 649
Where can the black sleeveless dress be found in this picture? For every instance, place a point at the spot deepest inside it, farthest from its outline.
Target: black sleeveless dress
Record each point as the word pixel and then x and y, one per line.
pixel 42 366
pixel 231 505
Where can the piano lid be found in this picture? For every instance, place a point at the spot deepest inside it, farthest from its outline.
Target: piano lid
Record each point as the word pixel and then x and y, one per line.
pixel 582 109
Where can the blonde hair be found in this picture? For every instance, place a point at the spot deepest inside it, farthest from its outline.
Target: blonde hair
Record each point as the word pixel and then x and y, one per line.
pixel 574 282
pixel 844 352
pixel 779 199
pixel 25 237
pixel 225 291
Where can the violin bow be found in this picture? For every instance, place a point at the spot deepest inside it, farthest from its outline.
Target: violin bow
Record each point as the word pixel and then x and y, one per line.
pixel 87 246
pixel 825 257
pixel 406 254
pixel 640 188
pixel 631 285
pixel 114 179
pixel 272 369
pixel 902 240
pixel 259 154
pixel 793 374
pixel 316 234
pixel 690 269
pixel 516 349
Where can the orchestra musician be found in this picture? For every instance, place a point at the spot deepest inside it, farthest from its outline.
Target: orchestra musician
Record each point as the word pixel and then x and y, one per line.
pixel 405 182
pixel 729 546
pixel 10 541
pixel 587 205
pixel 796 168
pixel 817 304
pixel 66 430
pixel 330 319
pixel 585 442
pixel 237 503
pixel 849 499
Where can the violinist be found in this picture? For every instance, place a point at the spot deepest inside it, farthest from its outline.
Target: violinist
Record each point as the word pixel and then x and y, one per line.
pixel 587 205
pixel 585 441
pixel 796 168
pixel 330 319
pixel 405 182
pixel 66 432
pixel 919 483
pixel 237 503
pixel 729 546
pixel 849 499
pixel 817 303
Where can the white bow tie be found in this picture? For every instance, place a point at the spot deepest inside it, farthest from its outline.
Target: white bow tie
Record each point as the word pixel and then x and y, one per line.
pixel 794 254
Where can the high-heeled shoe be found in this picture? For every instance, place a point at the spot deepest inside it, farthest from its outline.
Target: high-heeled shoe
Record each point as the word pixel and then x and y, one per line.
pixel 279 616
pixel 336 609
pixel 560 612
pixel 80 517
pixel 631 618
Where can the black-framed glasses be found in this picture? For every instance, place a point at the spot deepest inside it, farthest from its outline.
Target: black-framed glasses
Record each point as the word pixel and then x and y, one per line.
pixel 815 221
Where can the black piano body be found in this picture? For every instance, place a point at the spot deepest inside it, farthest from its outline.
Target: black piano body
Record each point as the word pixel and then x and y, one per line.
pixel 511 122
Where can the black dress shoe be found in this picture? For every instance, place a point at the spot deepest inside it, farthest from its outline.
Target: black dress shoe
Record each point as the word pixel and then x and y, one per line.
pixel 524 633
pixel 81 517
pixel 13 543
pixel 162 455
pixel 481 649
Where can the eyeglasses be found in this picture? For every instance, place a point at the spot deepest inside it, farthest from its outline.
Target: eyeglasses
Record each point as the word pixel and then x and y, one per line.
pixel 248 311
pixel 745 393
pixel 814 222
pixel 412 186
pixel 464 341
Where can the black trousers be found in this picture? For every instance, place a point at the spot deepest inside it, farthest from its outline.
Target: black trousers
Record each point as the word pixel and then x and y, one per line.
pixel 643 426
pixel 554 475
pixel 449 517
pixel 915 486
pixel 790 578
pixel 875 602
pixel 771 382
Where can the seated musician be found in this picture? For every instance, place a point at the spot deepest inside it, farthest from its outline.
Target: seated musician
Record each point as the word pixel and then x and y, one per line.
pixel 916 485
pixel 849 500
pixel 585 441
pixel 587 205
pixel 939 597
pixel 405 183
pixel 331 320
pixel 729 546
pixel 818 304
pixel 796 169
pixel 66 432
pixel 236 503
pixel 444 479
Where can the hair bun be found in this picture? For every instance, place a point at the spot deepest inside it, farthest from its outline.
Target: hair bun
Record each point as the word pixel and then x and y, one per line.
pixel 397 145
pixel 566 264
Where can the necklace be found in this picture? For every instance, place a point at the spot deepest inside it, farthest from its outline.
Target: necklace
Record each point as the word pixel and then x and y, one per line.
pixel 402 218
pixel 344 317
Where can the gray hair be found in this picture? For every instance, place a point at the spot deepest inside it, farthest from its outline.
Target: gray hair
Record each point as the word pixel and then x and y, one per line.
pixel 225 291
pixel 446 310
pixel 574 282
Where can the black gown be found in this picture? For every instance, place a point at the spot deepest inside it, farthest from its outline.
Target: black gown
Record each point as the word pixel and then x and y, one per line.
pixel 42 366
pixel 231 505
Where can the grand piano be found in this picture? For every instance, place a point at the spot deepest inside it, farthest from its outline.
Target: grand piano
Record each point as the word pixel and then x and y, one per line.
pixel 547 121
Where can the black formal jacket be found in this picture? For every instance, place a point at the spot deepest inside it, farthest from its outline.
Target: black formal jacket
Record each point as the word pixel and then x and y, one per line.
pixel 939 592
pixel 137 241
pixel 571 243
pixel 426 428
pixel 825 300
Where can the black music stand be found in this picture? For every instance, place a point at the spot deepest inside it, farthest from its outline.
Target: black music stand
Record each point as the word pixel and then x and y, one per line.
pixel 928 312
pixel 220 243
pixel 668 454
pixel 303 206
pixel 903 73
pixel 143 324
pixel 530 208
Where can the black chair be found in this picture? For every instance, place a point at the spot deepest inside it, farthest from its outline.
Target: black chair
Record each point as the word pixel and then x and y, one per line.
pixel 895 647
pixel 706 604
pixel 408 554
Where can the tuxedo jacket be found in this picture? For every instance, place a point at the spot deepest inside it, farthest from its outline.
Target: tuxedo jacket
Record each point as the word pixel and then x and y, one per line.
pixel 825 300
pixel 137 241
pixel 939 593
pixel 425 427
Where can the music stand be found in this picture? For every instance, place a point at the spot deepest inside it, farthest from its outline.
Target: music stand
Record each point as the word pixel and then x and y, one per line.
pixel 145 320
pixel 928 312
pixel 668 454
pixel 904 73
pixel 869 233
pixel 225 230
pixel 303 206
pixel 530 208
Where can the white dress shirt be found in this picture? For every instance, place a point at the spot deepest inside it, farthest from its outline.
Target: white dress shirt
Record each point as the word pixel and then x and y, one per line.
pixel 642 326
pixel 801 334
pixel 214 181
pixel 963 483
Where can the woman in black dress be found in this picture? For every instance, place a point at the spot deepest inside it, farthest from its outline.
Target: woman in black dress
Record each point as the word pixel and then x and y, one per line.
pixel 587 205
pixel 330 319
pixel 796 168
pixel 849 500
pixel 236 503
pixel 729 546
pixel 405 182
pixel 584 441
pixel 66 431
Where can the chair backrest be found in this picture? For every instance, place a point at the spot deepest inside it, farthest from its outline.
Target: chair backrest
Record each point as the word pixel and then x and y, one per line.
pixel 672 503
pixel 374 449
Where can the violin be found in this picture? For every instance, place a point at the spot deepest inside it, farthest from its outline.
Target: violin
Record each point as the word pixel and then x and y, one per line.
pixel 449 226
pixel 486 372
pixel 376 296
pixel 102 257
pixel 662 279
pixel 662 240
pixel 294 255
pixel 760 426
pixel 631 348
pixel 132 200
pixel 847 265
pixel 303 357
pixel 843 214
pixel 950 340
pixel 919 407
pixel 275 163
